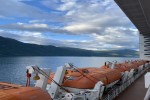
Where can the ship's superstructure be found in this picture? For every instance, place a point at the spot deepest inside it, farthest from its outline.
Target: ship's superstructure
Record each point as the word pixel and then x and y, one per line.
pixel 138 11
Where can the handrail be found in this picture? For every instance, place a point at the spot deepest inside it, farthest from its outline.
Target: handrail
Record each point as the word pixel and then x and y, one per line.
pixel 118 89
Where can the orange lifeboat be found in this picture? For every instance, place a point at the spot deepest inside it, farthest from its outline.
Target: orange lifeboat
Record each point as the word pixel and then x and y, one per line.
pixel 135 64
pixel 90 76
pixel 129 66
pixel 126 66
pixel 120 67
pixel 86 78
pixel 16 92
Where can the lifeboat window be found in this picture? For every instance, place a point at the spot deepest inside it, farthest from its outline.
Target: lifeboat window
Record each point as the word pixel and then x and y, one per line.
pixel 85 71
pixel 70 78
pixel 74 70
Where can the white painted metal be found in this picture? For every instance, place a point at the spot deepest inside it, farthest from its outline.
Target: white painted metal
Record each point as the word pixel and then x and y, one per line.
pixel 59 76
pixel 99 88
pixel 111 84
pixel 124 76
pixel 75 90
pixel 30 69
pixel 130 74
pixel 88 94
pixel 147 96
pixel 147 85
pixel 142 48
pixel 141 45
pixel 113 64
pixel 42 82
pixel 147 79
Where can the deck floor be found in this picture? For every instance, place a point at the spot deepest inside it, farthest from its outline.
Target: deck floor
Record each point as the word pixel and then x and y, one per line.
pixel 136 91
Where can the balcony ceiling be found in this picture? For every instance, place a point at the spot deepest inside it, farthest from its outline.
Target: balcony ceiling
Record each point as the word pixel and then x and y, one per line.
pixel 138 11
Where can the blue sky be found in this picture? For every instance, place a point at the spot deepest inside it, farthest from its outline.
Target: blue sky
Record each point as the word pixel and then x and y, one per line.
pixel 85 24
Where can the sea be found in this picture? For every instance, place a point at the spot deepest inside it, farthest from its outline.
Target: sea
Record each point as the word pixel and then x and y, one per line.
pixel 13 69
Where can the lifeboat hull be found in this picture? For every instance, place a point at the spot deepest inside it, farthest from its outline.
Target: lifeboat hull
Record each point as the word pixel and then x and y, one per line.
pixel 91 77
pixel 15 92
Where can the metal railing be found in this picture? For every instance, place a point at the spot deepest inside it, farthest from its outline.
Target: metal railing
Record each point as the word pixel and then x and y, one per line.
pixel 116 90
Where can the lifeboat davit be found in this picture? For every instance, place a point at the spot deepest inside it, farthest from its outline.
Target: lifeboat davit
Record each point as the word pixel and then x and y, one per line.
pixel 16 92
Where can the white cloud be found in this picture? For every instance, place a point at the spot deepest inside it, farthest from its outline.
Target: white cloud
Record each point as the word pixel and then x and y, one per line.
pixel 81 28
pixel 37 21
pixel 33 27
pixel 16 8
pixel 67 5
pixel 101 20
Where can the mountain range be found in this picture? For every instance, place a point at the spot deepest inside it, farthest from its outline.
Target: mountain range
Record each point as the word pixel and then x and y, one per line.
pixel 11 47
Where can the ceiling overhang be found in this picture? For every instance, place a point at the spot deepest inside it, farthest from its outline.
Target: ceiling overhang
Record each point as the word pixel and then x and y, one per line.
pixel 138 11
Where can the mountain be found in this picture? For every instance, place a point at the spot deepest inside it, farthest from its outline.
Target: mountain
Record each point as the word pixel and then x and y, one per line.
pixel 11 47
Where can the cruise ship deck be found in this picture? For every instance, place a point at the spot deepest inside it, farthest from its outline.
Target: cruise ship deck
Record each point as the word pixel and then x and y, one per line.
pixel 136 91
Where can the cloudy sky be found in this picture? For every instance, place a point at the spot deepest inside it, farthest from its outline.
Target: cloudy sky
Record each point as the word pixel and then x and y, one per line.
pixel 86 24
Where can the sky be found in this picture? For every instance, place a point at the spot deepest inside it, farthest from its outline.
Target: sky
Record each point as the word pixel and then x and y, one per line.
pixel 85 24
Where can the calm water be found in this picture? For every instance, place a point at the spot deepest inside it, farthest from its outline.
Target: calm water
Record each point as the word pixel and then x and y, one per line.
pixel 13 69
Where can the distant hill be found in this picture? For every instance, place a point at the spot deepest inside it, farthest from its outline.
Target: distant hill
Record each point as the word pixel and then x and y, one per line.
pixel 11 47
